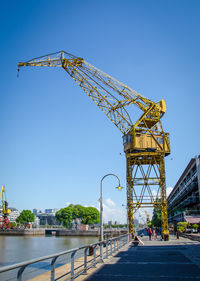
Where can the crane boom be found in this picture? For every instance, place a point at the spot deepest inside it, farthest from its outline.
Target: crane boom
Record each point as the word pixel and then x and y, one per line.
pixel 145 142
pixel 111 96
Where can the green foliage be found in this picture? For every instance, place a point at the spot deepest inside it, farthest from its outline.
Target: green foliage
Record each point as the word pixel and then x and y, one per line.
pixel 87 215
pixel 182 226
pixel 195 226
pixel 65 216
pixel 13 224
pixel 119 225
pixel 90 216
pixel 156 218
pixel 149 224
pixel 181 229
pixel 80 211
pixel 25 217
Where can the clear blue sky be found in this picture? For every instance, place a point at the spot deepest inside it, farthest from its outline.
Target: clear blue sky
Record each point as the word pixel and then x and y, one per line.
pixel 55 143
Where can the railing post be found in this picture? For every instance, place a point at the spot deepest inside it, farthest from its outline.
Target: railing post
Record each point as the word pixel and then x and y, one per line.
pixel 85 261
pixel 72 265
pixel 20 272
pixel 101 251
pixel 111 247
pixel 107 248
pixel 117 243
pixel 53 268
pixel 95 256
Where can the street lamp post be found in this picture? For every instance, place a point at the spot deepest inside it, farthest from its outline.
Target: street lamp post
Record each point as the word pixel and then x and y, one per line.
pixel 119 187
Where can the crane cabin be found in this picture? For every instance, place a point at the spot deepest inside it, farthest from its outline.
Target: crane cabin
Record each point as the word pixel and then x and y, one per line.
pixel 146 142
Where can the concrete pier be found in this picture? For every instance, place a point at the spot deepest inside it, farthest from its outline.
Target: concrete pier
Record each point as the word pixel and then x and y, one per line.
pixel 61 232
pixel 174 260
pixel 21 232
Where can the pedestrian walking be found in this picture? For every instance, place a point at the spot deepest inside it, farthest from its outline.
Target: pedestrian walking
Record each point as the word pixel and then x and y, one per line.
pixel 149 233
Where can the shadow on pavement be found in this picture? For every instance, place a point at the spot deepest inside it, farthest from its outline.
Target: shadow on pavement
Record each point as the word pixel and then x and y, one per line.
pixel 140 263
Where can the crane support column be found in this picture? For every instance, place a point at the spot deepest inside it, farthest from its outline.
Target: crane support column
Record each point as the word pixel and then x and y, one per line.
pixel 164 214
pixel 146 186
pixel 129 193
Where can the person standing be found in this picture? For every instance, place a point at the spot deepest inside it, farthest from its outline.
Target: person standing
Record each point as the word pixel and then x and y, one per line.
pixel 155 233
pixel 149 233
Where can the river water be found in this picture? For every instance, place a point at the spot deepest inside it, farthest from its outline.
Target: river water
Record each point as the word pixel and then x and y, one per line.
pixel 14 249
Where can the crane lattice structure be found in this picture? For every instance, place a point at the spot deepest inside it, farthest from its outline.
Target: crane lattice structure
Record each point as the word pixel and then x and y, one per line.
pixel 145 142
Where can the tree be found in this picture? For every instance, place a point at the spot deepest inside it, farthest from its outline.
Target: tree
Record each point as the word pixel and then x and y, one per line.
pixel 80 211
pixel 182 226
pixel 65 216
pixel 195 226
pixel 156 218
pixel 25 217
pixel 90 215
pixel 87 215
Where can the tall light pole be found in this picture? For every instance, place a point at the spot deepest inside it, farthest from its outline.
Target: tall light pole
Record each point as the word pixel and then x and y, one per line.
pixel 119 187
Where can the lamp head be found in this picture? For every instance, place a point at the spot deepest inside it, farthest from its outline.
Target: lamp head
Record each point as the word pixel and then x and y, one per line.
pixel 119 187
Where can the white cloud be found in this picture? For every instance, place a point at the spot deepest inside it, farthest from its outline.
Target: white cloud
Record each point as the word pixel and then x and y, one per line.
pixel 169 190
pixel 112 212
pixel 110 203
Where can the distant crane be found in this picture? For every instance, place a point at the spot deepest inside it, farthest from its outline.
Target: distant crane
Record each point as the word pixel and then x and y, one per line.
pixel 145 142
pixel 4 221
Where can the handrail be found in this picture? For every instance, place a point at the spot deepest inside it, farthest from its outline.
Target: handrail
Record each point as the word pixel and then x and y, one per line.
pixel 112 242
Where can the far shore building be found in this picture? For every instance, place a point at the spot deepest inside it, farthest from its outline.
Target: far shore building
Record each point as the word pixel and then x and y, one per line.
pixel 51 211
pixel 36 223
pixel 83 227
pixel 36 211
pixel 48 219
pixel 184 200
pixel 45 218
pixel 14 214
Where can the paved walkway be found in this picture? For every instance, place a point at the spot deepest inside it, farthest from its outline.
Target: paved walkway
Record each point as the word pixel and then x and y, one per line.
pixel 156 260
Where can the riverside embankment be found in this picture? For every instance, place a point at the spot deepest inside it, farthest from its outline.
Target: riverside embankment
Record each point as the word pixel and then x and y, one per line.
pixel 61 232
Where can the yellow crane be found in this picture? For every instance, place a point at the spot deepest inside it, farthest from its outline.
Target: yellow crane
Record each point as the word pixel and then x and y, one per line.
pixel 145 142
pixel 4 221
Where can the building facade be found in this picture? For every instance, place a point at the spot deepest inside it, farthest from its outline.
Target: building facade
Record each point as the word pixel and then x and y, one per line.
pixel 14 214
pixel 36 211
pixel 184 200
pixel 48 219
pixel 51 211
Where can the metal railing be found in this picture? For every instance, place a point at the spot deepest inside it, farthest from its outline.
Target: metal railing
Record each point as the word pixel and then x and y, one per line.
pixel 90 255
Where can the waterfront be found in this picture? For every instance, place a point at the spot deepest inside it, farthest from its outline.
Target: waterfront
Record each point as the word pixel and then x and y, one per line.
pixel 15 249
